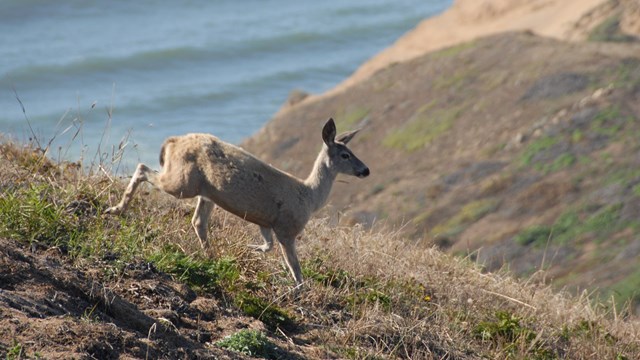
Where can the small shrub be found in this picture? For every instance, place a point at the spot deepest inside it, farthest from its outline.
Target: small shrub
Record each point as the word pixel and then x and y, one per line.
pixel 249 342
pixel 507 332
pixel 506 326
pixel 16 351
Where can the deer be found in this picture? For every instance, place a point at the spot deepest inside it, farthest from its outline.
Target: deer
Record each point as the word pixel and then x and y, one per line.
pixel 218 173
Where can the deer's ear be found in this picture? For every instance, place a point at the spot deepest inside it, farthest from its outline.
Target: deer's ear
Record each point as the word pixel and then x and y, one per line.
pixel 329 132
pixel 347 136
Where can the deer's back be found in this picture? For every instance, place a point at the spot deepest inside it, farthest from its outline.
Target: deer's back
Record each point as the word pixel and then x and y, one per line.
pixel 233 178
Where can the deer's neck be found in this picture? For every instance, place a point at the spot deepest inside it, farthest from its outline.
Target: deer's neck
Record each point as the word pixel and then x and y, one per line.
pixel 320 181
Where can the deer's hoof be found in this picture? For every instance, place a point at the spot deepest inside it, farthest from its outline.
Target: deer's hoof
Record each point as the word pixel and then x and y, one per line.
pixel 114 210
pixel 262 248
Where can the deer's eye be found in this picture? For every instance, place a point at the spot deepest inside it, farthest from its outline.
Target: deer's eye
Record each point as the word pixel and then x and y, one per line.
pixel 344 155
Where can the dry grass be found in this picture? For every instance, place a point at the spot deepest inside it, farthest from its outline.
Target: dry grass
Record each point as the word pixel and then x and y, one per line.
pixel 366 294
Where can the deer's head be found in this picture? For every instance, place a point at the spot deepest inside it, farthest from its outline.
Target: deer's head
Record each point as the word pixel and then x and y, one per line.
pixel 341 158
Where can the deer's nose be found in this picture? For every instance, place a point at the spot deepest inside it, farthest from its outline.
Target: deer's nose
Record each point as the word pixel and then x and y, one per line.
pixel 364 173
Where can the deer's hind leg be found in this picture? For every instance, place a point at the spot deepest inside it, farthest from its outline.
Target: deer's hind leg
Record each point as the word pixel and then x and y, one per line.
pixel 200 219
pixel 142 173
pixel 267 236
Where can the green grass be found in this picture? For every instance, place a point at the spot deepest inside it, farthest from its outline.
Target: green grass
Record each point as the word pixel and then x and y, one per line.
pixel 201 274
pixel 31 214
pixel 453 50
pixel 469 213
pixel 539 154
pixel 361 291
pixel 561 162
pixel 69 217
pixel 625 292
pixel 15 352
pixel 609 30
pixel 627 74
pixel 267 312
pixel 349 117
pixel 572 225
pixel 504 326
pixel 249 342
pixel 536 147
pixel 368 294
pixel 610 121
pixel 454 82
pixel 424 127
pixel 534 235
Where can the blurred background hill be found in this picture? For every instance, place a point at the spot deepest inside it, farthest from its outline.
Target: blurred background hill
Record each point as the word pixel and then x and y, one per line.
pixel 513 141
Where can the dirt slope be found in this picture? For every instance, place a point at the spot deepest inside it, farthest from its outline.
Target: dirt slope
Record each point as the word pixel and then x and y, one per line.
pixel 491 148
pixel 66 311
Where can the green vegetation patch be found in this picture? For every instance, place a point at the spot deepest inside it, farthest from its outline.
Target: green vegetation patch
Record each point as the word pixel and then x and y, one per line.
pixel 359 291
pixel 269 313
pixel 609 121
pixel 249 342
pixel 609 30
pixel 453 50
pixel 563 161
pixel 627 74
pixel 203 274
pixel 505 326
pixel 469 213
pixel 535 148
pixel 348 118
pixel 15 352
pixel 425 126
pixel 316 270
pixel 552 153
pixel 32 214
pixel 51 215
pixel 539 152
pixel 572 225
pixel 369 296
pixel 625 292
pixel 454 81
pixel 506 331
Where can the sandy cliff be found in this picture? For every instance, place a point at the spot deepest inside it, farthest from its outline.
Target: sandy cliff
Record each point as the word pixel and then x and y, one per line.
pixel 466 20
pixel 470 19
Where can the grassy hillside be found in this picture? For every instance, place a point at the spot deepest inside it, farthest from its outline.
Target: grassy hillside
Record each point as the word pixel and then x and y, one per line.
pixel 77 284
pixel 514 151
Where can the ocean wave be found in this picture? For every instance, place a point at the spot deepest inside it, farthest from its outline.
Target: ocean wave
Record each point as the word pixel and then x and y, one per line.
pixel 188 56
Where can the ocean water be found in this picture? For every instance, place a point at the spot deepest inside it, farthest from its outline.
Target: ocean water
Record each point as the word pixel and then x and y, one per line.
pixel 107 81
